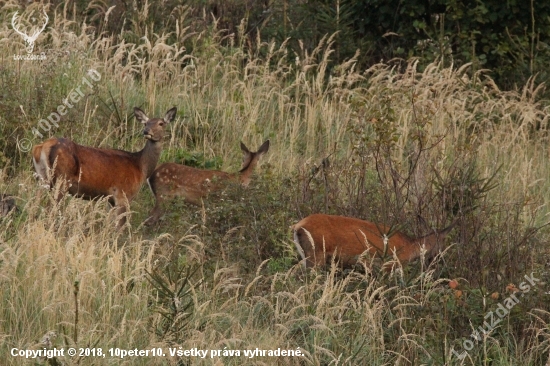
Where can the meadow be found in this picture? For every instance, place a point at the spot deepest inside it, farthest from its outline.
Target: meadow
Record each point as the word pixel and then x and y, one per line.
pixel 409 145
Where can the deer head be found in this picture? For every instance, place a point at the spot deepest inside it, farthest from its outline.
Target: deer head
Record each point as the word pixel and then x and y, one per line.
pixel 29 40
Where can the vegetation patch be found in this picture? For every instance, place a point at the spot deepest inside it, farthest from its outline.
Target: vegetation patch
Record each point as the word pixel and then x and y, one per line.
pixel 414 147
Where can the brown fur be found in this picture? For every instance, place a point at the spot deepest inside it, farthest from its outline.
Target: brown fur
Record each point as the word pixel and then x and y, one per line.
pixel 93 172
pixel 347 238
pixel 171 179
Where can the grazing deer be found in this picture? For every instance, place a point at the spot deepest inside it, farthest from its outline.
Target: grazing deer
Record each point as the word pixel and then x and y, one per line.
pixel 171 179
pixel 92 172
pixel 320 237
pixel 7 204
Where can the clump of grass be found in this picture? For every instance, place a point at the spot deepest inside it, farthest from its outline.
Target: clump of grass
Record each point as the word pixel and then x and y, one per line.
pixel 382 145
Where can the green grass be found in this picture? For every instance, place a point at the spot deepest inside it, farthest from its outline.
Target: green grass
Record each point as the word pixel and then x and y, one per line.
pixel 399 144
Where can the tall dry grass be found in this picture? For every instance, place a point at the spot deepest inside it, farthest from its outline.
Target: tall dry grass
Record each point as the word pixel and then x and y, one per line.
pixel 230 88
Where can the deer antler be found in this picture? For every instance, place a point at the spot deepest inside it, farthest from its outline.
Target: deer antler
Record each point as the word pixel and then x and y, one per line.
pixel 13 19
pixel 29 41
pixel 46 19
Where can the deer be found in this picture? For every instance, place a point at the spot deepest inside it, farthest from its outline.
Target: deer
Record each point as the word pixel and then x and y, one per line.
pixel 7 204
pixel 172 179
pixel 319 238
pixel 96 172
pixel 29 40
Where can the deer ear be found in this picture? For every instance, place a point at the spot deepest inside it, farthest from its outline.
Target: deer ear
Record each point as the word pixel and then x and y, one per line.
pixel 169 117
pixel 140 115
pixel 244 148
pixel 264 148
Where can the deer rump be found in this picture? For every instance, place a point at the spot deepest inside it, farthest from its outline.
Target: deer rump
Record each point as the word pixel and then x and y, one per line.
pixel 89 172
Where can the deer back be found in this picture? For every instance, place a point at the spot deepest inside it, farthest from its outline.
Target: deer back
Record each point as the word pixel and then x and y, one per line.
pixel 171 179
pixel 320 237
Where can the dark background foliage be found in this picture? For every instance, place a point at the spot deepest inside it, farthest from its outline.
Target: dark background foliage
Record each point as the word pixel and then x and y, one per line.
pixel 508 37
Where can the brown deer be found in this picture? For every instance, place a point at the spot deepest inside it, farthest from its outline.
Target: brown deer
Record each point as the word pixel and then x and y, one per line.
pixel 319 238
pixel 7 204
pixel 93 172
pixel 171 179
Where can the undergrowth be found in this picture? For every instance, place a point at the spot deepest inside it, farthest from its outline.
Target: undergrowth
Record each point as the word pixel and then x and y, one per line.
pixel 412 150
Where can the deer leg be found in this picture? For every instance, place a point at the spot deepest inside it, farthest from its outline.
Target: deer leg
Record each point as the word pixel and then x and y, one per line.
pixel 319 261
pixel 121 205
pixel 121 210
pixel 156 212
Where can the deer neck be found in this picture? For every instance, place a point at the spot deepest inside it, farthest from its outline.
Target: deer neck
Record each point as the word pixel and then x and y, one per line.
pixel 432 242
pixel 149 157
pixel 428 243
pixel 244 175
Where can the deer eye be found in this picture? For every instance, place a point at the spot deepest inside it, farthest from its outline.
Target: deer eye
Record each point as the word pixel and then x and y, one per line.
pixel 161 124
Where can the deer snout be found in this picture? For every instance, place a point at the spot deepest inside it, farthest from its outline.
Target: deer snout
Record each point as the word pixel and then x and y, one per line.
pixel 147 134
